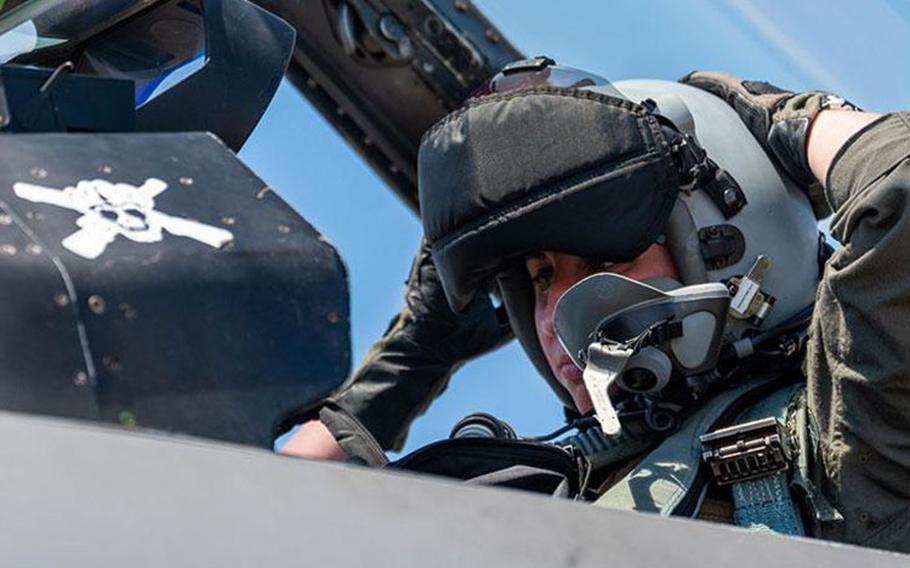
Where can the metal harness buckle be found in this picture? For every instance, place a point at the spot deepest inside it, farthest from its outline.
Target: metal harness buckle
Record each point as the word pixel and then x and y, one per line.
pixel 745 451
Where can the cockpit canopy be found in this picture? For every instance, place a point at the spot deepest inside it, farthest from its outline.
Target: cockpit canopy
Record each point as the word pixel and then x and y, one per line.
pixel 195 64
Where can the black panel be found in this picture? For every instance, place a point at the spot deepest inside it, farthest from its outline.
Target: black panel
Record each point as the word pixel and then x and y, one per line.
pixel 42 365
pixel 222 341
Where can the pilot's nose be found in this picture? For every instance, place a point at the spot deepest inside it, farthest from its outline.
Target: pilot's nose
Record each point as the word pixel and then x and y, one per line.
pixel 561 282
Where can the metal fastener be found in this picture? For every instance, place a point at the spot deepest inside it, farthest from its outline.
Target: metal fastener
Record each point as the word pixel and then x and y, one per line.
pixel 96 304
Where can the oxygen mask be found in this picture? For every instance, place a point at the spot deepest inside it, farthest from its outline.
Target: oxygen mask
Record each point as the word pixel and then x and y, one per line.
pixel 636 343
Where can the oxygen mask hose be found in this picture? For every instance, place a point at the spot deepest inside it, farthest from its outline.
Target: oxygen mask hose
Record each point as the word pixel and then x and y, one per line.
pixel 791 333
pixel 583 423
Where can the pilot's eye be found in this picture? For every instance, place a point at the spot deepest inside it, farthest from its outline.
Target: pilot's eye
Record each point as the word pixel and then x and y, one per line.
pixel 541 277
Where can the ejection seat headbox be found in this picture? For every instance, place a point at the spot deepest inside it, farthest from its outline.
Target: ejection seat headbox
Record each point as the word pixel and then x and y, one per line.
pixel 153 280
pixel 603 172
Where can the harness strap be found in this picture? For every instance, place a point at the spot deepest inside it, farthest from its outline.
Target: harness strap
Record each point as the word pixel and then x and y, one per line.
pixel 766 503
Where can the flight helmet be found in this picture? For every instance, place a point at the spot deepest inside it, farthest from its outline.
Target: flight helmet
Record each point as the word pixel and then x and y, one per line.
pixel 604 170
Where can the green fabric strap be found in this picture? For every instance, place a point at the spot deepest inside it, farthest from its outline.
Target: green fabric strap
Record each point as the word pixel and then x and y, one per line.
pixel 766 504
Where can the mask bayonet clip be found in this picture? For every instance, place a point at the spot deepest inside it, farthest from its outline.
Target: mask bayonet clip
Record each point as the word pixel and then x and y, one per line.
pixel 749 301
pixel 605 363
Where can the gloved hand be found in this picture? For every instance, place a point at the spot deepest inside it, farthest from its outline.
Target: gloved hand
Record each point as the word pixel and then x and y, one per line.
pixel 406 369
pixel 451 338
pixel 778 119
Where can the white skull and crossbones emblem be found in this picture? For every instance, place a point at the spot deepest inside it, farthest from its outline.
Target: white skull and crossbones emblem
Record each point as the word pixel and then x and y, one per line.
pixel 112 209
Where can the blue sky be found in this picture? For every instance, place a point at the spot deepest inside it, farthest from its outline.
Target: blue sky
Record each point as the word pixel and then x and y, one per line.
pixel 858 49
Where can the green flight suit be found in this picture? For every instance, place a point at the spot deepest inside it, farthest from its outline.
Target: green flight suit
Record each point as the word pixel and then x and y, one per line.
pixel 858 361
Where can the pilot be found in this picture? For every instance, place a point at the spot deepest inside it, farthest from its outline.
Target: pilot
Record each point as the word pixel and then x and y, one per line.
pixel 789 411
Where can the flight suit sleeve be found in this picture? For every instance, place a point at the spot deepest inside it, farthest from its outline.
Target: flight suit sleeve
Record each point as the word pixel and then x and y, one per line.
pixel 411 365
pixel 395 383
pixel 858 359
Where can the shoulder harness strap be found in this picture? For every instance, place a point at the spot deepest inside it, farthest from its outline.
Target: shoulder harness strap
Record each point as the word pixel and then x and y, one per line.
pixel 765 503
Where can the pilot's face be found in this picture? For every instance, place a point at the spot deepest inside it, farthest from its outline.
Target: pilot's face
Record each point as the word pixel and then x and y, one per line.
pixel 552 273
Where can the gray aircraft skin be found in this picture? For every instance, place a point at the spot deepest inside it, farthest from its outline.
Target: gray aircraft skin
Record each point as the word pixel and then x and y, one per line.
pixel 76 494
pixel 181 354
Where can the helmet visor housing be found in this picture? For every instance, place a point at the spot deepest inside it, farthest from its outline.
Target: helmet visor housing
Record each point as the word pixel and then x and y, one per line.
pixel 541 72
pixel 542 169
